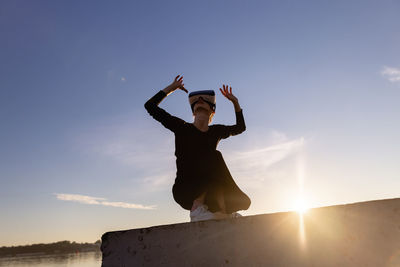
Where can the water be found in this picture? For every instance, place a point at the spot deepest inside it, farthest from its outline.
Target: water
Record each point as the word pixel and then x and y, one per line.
pixel 83 259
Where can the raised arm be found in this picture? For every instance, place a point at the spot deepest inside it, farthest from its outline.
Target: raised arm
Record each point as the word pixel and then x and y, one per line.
pixel 170 122
pixel 176 84
pixel 228 94
pixel 240 126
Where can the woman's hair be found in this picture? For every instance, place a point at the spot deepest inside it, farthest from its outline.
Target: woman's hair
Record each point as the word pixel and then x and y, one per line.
pixel 211 117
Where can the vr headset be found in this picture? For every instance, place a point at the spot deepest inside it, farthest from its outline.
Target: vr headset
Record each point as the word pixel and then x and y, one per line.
pixel 208 96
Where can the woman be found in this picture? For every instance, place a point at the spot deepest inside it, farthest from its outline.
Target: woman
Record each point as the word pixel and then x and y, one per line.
pixel 203 182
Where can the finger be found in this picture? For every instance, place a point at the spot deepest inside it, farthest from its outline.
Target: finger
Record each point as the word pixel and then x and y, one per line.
pixel 176 78
pixel 222 92
pixel 231 90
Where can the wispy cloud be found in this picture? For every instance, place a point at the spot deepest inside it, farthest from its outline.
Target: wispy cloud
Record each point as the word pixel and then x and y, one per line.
pixel 254 166
pixel 101 201
pixel 159 182
pixel 146 152
pixel 80 198
pixel 265 157
pixel 392 74
pixel 127 143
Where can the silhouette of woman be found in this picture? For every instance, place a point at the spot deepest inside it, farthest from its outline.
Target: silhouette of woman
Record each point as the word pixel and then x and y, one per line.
pixel 203 183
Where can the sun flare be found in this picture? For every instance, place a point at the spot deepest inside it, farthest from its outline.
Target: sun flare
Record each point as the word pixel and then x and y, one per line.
pixel 301 206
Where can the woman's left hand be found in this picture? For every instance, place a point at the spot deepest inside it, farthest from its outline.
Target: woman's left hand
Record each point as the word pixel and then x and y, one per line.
pixel 228 93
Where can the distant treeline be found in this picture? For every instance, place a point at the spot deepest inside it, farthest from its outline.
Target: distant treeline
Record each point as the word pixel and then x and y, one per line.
pixel 52 248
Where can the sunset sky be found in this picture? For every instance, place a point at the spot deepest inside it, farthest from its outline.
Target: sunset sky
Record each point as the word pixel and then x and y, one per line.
pixel 318 81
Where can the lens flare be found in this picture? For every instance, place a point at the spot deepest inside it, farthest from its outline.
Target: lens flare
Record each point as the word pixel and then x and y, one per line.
pixel 301 206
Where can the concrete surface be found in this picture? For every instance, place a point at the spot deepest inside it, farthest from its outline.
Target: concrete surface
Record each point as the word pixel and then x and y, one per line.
pixel 359 234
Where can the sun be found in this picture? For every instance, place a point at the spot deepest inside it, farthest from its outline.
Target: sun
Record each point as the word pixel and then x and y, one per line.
pixel 301 206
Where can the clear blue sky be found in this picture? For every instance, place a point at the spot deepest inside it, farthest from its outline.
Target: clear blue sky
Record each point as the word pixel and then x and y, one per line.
pixel 318 81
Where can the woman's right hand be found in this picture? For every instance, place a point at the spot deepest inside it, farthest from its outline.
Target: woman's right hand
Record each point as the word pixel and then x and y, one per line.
pixel 177 84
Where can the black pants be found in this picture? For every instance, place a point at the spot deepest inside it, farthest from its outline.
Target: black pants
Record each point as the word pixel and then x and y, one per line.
pixel 213 180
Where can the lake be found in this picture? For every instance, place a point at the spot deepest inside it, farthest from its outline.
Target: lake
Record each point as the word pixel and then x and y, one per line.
pixel 83 259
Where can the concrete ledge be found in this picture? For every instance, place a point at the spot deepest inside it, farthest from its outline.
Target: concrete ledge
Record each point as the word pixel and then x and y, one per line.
pixel 359 234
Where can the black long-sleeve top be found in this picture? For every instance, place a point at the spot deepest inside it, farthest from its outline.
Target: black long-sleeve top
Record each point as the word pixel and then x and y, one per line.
pixel 192 146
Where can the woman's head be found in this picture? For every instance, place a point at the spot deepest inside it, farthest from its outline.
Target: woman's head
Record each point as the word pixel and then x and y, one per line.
pixel 203 102
pixel 208 96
